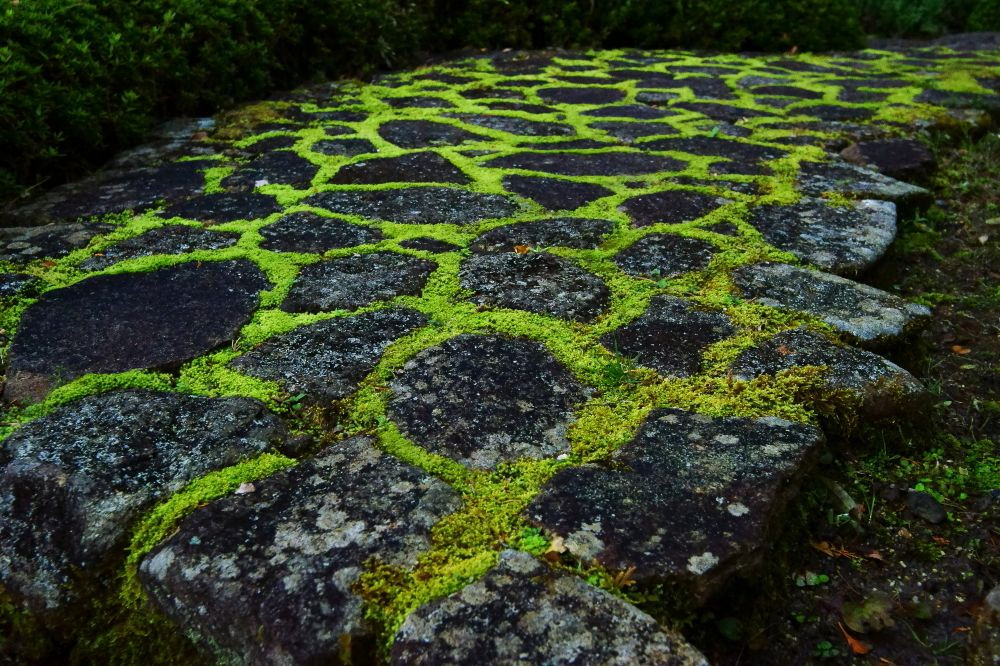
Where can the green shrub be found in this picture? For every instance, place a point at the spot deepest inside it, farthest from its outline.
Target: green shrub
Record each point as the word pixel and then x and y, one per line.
pixel 80 80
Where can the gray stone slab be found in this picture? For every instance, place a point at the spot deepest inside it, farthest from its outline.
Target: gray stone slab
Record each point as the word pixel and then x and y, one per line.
pixel 416 205
pixel 266 577
pixel 536 282
pixel 326 360
pixel 870 315
pixel 74 481
pixel 171 239
pixel 349 283
pixel 882 388
pixel 670 336
pixel 665 255
pixel 111 323
pixel 486 399
pixel 689 501
pixel 522 612
pixel 817 178
pixel 846 240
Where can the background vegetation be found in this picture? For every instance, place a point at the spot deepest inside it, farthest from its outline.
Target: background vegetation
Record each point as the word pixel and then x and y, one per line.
pixel 80 80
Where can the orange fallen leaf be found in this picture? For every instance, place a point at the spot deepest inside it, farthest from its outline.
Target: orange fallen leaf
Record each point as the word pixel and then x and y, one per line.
pixel 959 349
pixel 48 263
pixel 941 541
pixel 887 662
pixel 833 551
pixel 784 350
pixel 857 647
pixel 522 249
pixel 961 630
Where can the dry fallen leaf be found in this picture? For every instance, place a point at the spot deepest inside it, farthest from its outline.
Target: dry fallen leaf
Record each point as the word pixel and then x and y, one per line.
pixel 857 647
pixel 875 555
pixel 244 489
pixel 827 548
pixel 941 541
pixel 959 349
pixel 522 249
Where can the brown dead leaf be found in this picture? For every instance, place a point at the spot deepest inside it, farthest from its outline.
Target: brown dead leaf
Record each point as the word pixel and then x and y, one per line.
pixel 522 249
pixel 556 547
pixel 904 533
pixel 784 350
pixel 941 541
pixel 48 263
pixel 875 555
pixel 827 548
pixel 857 647
pixel 959 349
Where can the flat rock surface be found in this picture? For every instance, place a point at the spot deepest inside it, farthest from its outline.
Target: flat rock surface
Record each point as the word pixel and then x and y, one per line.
pixel 690 500
pixel 841 239
pixel 352 282
pixel 484 399
pixel 105 323
pixel 493 266
pixel 670 336
pixel 869 315
pixel 326 360
pixel 536 282
pixel 267 576
pixel 882 387
pixel 523 612
pixel 74 480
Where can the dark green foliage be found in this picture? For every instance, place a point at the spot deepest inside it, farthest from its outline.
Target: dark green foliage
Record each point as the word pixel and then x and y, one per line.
pixel 927 18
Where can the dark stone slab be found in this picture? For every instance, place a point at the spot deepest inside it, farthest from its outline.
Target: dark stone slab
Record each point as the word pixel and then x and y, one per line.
pixel 670 336
pixel 326 360
pixel 904 159
pixel 844 240
pixel 314 234
pixel 787 91
pixel 579 233
pixel 665 255
pixel 416 205
pixel 343 147
pixel 21 245
pixel 521 106
pixel 636 111
pixel 657 97
pixel 428 244
pixel 423 167
pixel 591 164
pixel 960 100
pixel 516 125
pixel 137 189
pixel 708 87
pixel 818 178
pixel 486 399
pixel 572 144
pixel 74 481
pixel 112 323
pixel 523 612
pixel 270 143
pixel 744 158
pixel 671 206
pixel 583 95
pixel 491 93
pixel 352 282
pixel 418 102
pixel 690 501
pixel 281 167
pixel 553 193
pixel 726 112
pixel 536 282
pixel 834 112
pixel 629 132
pixel 868 314
pixel 267 577
pixel 224 207
pixel 171 239
pixel 882 388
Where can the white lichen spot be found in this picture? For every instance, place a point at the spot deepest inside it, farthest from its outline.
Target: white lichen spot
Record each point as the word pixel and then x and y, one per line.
pixel 700 564
pixel 738 509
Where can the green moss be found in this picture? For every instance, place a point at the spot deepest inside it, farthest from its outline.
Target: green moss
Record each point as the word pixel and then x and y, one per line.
pixel 162 520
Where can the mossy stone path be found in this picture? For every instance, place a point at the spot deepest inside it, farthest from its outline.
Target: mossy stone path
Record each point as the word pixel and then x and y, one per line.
pixel 486 362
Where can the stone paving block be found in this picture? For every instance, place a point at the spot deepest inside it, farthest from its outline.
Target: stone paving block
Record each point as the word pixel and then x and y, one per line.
pixel 310 232
pixel 267 576
pixel 522 612
pixel 536 282
pixel 846 240
pixel 326 360
pixel 353 282
pixel 105 323
pixel 170 239
pixel 73 482
pixel 670 336
pixel 572 232
pixel 665 255
pixel 416 205
pixel 486 399
pixel 689 501
pixel 870 315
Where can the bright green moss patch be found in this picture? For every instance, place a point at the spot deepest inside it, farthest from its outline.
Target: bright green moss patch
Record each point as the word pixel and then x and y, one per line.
pixel 163 519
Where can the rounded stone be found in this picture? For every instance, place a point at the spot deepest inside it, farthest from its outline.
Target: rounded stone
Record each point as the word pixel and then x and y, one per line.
pixel 665 255
pixel 312 233
pixel 486 399
pixel 535 282
pixel 416 205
